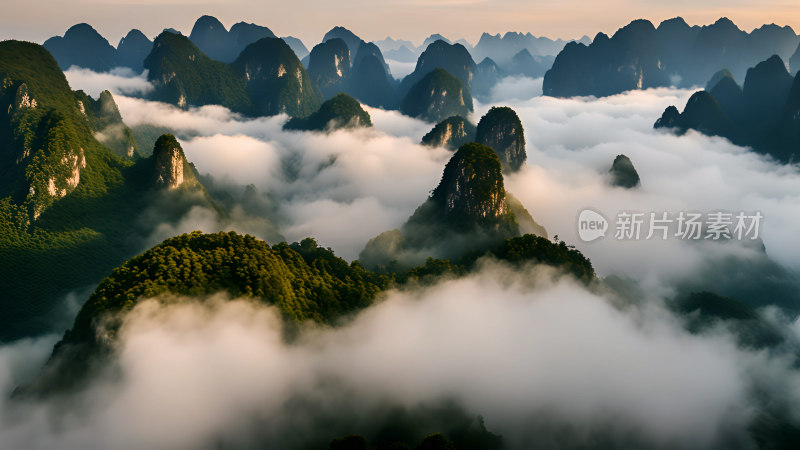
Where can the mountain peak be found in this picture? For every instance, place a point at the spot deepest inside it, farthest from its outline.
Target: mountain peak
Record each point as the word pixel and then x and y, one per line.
pixel 436 96
pixel 208 23
pixel 349 38
pixel 472 186
pixel 170 170
pixel 452 133
pixel 674 23
pixel 329 65
pixel 276 80
pixel 341 111
pixel 82 46
pixel 501 130
pixel 179 70
pixel 433 38
pixel 82 30
pixel 213 39
pixel 133 49
pixel 725 24
pixel 717 77
pixel 134 34
pixel 623 174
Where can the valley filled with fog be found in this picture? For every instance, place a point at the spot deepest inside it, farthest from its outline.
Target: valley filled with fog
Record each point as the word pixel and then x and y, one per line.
pixel 191 257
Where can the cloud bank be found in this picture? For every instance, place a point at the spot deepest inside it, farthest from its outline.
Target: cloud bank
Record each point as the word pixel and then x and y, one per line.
pixel 546 362
pixel 533 353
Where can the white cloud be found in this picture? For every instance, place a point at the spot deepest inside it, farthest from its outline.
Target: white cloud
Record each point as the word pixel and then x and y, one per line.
pixel 516 88
pixel 400 69
pixel 510 346
pixel 120 80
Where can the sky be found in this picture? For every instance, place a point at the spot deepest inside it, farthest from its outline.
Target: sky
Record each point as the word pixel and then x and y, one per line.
pixel 36 20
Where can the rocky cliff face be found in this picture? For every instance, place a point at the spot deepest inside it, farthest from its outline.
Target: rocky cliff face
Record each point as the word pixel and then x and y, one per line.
pixel 106 123
pixel 169 163
pixel 46 141
pixel 22 99
pixel 502 130
pixel 452 133
pixel 59 176
pixel 472 187
pixel 51 162
pixel 469 211
pixel 329 66
pixel 185 76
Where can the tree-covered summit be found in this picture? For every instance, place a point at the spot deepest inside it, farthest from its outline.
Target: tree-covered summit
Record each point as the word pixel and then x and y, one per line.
pixel 437 96
pixel 185 76
pixel 341 111
pixel 501 129
pixel 452 133
pixel 276 80
pixel 469 211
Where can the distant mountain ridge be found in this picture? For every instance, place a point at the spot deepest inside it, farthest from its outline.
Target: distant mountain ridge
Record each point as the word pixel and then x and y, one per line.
pixel 640 56
pixel 764 113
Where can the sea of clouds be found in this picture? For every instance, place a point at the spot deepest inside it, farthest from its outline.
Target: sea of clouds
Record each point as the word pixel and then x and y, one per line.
pixel 537 355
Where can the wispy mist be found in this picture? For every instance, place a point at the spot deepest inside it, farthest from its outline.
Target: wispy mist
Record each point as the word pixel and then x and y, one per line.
pixel 533 353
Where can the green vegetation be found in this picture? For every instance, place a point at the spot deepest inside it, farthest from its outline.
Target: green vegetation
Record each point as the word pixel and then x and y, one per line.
pixel 452 133
pixel 342 111
pixel 304 281
pixel 536 249
pixel 471 192
pixel 45 128
pixel 106 122
pixel 184 76
pixel 454 59
pixel 469 211
pixel 70 209
pixel 146 135
pixel 276 80
pixel 437 96
pixel 502 130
